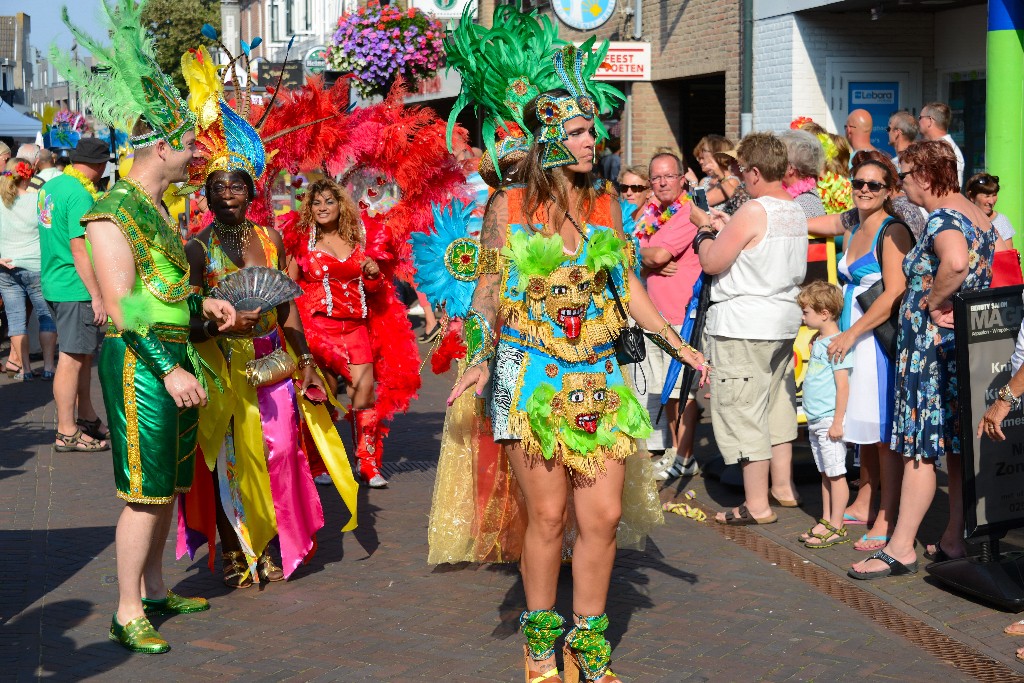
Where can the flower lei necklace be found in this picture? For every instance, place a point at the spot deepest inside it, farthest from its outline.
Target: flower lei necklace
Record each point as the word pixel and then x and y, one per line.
pixel 80 177
pixel 801 186
pixel 653 219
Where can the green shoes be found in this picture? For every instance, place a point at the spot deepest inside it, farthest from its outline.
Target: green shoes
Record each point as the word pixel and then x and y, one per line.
pixel 175 604
pixel 138 635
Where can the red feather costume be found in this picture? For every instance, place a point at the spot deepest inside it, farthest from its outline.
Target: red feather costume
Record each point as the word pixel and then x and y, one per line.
pixel 388 146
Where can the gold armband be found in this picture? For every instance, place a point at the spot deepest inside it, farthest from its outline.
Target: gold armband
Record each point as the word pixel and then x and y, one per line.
pixel 489 261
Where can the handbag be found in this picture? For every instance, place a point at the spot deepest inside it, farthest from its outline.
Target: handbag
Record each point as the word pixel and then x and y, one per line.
pixel 270 369
pixel 629 345
pixel 1006 269
pixel 886 332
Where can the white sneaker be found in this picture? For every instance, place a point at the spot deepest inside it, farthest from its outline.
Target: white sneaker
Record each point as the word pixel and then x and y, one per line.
pixel 415 309
pixel 323 479
pixel 678 469
pixel 665 461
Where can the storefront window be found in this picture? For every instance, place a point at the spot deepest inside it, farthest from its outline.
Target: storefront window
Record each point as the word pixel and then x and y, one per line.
pixel 967 105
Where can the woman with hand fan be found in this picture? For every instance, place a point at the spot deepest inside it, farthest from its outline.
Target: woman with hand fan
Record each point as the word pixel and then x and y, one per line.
pixel 255 437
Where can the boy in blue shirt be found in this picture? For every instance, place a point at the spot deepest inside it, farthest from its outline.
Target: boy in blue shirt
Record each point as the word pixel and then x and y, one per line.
pixel 826 391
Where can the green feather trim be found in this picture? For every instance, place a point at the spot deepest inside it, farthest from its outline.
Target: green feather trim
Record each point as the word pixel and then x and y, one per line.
pixel 584 443
pixel 631 418
pixel 534 255
pixel 114 92
pixel 605 250
pixel 135 312
pixel 538 412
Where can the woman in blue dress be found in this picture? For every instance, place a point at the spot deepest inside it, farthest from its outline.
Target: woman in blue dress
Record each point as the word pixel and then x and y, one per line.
pixel 874 252
pixel 954 255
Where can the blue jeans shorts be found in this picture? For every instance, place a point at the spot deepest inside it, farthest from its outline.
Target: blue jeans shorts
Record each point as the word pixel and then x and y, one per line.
pixel 15 285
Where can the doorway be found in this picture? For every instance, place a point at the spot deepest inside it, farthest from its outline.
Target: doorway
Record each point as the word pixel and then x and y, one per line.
pixel 701 112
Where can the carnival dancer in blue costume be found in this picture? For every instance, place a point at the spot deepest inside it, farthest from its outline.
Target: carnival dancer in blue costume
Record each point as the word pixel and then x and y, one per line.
pixel 541 329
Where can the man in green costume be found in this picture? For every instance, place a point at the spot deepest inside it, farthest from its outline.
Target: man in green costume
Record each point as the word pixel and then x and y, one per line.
pixel 153 380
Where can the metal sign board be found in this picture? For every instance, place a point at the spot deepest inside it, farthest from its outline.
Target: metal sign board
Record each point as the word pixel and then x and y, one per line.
pixel 987 323
pixel 584 15
pixel 625 61
pixel 445 9
pixel 315 61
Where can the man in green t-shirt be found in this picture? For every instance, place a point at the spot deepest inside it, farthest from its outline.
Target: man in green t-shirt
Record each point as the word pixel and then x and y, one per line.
pixel 71 290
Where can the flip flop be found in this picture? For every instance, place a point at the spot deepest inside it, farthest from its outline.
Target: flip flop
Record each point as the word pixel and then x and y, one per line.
pixel 1008 632
pixel 938 555
pixel 865 537
pixel 895 568
pixel 850 520
pixel 745 518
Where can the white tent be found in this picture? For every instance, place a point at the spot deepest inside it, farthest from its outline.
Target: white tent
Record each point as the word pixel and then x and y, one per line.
pixel 16 125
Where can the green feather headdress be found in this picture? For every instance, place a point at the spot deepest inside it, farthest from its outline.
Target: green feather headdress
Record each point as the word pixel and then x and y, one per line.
pixel 506 66
pixel 127 82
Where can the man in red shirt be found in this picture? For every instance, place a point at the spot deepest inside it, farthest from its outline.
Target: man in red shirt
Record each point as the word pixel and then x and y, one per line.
pixel 670 269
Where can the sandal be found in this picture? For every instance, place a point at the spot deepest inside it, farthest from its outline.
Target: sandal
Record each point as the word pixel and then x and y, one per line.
pixel 93 428
pixel 744 518
pixel 75 444
pixel 236 570
pixel 831 537
pixel 267 570
pixel 895 568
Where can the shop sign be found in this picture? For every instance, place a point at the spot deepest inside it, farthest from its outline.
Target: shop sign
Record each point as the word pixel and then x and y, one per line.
pixel 583 15
pixel 880 99
pixel 269 72
pixel 445 9
pixel 315 60
pixel 625 61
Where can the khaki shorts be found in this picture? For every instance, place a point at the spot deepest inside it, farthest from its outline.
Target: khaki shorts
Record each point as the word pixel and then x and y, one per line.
pixel 753 396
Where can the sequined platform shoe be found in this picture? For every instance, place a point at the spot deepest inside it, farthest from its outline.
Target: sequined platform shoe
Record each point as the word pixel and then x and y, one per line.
pixel 588 653
pixel 175 604
pixel 138 635
pixel 541 628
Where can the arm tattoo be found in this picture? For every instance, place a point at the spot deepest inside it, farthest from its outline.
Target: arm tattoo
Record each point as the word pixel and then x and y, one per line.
pixel 492 235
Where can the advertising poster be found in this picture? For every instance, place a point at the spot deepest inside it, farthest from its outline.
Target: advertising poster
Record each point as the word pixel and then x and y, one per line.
pixel 987 323
pixel 881 100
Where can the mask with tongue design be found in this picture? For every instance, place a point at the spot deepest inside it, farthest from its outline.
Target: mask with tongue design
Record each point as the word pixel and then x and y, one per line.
pixel 569 293
pixel 584 400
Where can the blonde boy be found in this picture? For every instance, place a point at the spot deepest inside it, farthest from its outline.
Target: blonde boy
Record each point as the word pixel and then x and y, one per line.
pixel 826 390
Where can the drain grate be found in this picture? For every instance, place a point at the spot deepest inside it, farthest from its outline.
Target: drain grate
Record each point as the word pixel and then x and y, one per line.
pixel 936 643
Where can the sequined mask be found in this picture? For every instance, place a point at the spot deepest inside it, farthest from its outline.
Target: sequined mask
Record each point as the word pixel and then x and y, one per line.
pixel 584 400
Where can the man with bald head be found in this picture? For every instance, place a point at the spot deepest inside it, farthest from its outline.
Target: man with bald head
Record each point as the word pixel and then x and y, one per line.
pixel 858 131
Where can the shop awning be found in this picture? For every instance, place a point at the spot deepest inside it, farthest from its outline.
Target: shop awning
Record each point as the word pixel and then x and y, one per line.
pixel 16 125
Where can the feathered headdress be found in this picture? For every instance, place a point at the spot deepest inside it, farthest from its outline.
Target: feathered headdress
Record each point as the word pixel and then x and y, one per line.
pixel 126 82
pixel 505 67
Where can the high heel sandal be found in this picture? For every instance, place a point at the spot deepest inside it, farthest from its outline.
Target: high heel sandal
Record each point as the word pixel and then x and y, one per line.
pixel 541 628
pixel 236 570
pixel 267 570
pixel 587 652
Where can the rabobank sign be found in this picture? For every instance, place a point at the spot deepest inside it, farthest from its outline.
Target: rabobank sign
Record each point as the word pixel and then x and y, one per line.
pixel 861 97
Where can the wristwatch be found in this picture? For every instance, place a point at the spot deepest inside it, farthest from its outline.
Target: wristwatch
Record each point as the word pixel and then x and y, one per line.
pixel 1005 394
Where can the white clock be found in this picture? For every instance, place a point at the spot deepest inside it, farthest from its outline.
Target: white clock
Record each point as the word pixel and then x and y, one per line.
pixel 583 15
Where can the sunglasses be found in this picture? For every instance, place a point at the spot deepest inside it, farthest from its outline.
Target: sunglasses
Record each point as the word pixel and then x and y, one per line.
pixel 631 188
pixel 872 185
pixel 903 175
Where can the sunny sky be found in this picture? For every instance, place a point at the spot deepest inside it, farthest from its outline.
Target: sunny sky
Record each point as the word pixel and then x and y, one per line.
pixel 46 25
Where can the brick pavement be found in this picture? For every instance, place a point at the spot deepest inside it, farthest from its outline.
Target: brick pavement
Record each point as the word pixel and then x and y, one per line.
pixel 693 607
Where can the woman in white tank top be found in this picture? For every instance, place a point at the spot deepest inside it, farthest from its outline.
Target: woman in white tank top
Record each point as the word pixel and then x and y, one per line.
pixel 757 258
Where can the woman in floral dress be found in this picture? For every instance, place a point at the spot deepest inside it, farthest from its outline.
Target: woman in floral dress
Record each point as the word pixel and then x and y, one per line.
pixel 954 255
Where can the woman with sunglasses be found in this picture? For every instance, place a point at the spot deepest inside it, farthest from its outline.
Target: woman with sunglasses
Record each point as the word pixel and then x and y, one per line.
pixel 954 255
pixel 874 250
pixel 634 189
pixel 983 190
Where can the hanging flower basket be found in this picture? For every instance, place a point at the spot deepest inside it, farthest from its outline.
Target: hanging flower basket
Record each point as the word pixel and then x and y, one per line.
pixel 378 44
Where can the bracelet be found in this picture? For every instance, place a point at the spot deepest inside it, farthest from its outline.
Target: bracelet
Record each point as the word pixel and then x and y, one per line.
pixel 479 338
pixel 306 360
pixel 700 237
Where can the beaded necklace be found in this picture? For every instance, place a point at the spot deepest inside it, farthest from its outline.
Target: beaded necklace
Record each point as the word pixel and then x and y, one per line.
pixel 80 177
pixel 236 236
pixel 653 218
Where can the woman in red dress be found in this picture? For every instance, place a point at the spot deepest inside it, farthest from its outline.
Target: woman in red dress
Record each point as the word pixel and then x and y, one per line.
pixel 336 275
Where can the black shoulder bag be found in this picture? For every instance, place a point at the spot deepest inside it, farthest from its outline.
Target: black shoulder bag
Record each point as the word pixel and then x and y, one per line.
pixel 886 332
pixel 629 345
